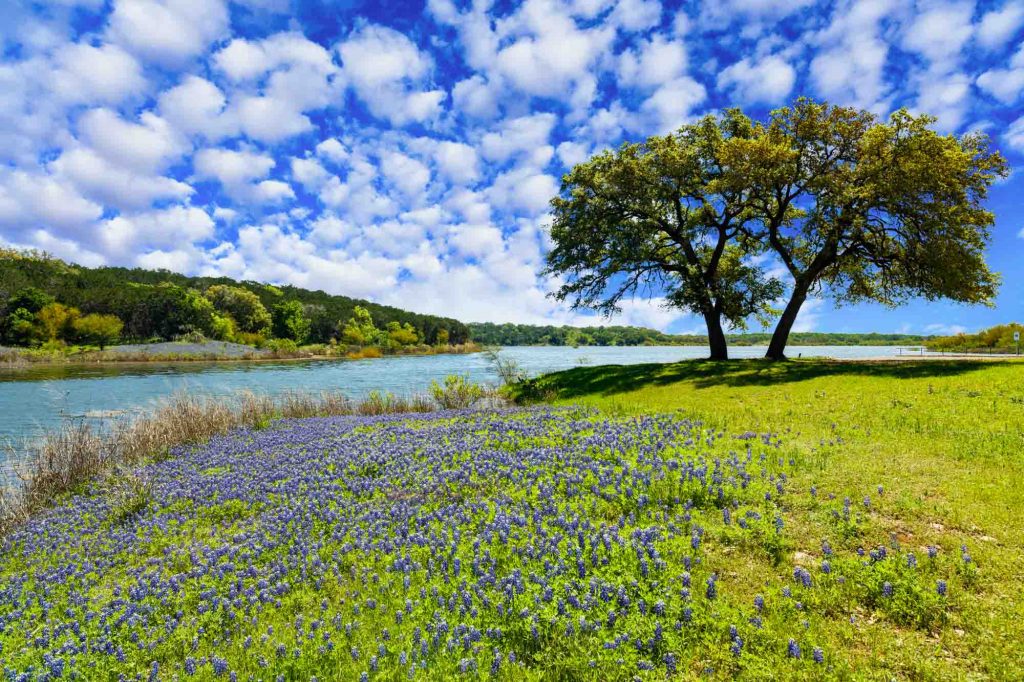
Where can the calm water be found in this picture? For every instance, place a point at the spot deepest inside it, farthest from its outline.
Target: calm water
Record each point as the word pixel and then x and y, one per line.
pixel 35 399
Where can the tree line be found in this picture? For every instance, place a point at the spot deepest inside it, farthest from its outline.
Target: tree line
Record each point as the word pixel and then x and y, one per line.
pixel 44 299
pixel 491 334
pixel 846 205
pixel 997 339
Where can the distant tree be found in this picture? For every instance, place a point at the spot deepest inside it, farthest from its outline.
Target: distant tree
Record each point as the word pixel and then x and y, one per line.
pixel 290 321
pixel 194 313
pixel 360 330
pixel 244 307
pixel 223 328
pixel 31 299
pixel 56 321
pixel 657 218
pixel 998 338
pixel 866 210
pixel 102 330
pixel 19 327
pixel 442 337
pixel 402 334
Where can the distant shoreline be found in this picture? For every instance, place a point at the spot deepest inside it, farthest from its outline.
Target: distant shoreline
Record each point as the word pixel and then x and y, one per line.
pixel 23 358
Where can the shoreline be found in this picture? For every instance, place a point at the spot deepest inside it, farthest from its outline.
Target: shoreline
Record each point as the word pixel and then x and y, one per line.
pixel 20 363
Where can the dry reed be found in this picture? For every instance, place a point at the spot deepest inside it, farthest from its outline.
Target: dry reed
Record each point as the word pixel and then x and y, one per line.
pixel 64 460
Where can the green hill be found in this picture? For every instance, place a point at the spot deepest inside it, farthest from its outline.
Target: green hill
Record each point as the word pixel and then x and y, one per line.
pixel 147 301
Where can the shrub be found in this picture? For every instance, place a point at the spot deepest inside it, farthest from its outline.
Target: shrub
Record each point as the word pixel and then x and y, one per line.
pixel 101 330
pixel 508 369
pixel 457 393
pixel 365 353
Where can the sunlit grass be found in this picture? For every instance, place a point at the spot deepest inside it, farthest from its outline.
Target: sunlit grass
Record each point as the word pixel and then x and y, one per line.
pixel 944 439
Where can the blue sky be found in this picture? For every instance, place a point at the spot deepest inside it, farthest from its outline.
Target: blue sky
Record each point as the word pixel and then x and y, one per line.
pixel 405 152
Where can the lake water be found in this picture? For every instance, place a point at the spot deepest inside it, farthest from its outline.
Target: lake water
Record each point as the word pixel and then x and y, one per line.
pixel 39 398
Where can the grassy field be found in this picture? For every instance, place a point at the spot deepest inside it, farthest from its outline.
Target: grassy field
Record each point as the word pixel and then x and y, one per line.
pixel 742 520
pixel 945 440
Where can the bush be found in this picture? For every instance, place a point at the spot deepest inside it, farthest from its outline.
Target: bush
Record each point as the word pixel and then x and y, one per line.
pixel 365 353
pixel 507 369
pixel 457 393
pixel 102 330
pixel 282 346
pixel 250 339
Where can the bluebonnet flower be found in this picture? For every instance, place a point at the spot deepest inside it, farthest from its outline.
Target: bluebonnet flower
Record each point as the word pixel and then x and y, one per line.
pixel 712 590
pixel 793 649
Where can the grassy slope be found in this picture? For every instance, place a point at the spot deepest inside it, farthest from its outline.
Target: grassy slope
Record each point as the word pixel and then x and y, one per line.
pixel 945 439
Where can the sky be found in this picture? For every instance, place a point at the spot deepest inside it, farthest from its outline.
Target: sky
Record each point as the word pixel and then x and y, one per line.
pixel 406 152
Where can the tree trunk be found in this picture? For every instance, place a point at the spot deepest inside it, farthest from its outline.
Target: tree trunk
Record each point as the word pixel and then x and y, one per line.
pixel 777 347
pixel 716 336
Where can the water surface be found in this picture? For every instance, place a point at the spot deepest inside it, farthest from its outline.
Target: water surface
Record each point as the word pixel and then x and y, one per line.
pixel 39 398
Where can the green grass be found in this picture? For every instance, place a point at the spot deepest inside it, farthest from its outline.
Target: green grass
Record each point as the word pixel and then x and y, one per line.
pixel 944 438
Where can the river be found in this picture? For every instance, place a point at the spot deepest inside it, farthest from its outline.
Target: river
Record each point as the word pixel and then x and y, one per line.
pixel 38 398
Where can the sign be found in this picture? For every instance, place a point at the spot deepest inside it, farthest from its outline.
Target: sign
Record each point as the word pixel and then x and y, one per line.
pixel 1016 336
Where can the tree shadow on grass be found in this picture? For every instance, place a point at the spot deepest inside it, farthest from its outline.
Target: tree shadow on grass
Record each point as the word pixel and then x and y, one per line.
pixel 611 379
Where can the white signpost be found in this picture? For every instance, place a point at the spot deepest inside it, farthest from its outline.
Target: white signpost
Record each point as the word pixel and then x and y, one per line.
pixel 1016 340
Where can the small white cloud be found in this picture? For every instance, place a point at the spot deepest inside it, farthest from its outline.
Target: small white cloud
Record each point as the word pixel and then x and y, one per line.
pixel 523 190
pixel 457 162
pixel 87 74
pixel 159 229
pixel 405 173
pixel 517 136
pixel 940 31
pixel 671 105
pixel 30 200
pixel 333 150
pixel 231 168
pixel 945 329
pixel 270 120
pixel 765 79
pixel 309 173
pixel 271 191
pixel 1007 84
pixel 849 64
pixel 241 173
pixel 476 97
pixel 197 107
pixel 168 32
pixel 1014 135
pixel 243 59
pixel 652 63
pixel 387 71
pixel 571 153
pixel 998 26
pixel 636 15
pixel 116 185
pixel 809 316
pixel 144 147
pixel 476 241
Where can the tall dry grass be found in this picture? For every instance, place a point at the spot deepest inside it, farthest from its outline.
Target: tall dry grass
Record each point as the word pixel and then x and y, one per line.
pixel 65 459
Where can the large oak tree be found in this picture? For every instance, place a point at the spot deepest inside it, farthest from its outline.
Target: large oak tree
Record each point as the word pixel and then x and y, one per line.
pixel 863 209
pixel 659 218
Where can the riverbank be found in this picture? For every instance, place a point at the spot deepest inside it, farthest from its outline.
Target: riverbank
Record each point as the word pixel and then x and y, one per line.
pixel 209 351
pixel 729 520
